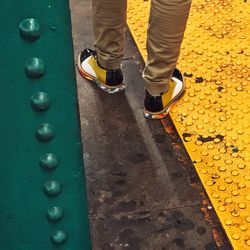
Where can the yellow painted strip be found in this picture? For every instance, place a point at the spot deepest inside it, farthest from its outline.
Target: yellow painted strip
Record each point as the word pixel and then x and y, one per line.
pixel 213 117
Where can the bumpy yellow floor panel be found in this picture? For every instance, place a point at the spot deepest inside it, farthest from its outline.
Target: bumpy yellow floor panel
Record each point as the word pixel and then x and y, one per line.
pixel 213 118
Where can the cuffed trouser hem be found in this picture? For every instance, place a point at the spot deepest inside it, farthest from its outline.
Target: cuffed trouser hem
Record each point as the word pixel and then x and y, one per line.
pixel 156 88
pixel 108 63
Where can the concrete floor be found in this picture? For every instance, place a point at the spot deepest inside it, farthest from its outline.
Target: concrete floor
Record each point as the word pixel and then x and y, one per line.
pixel 143 190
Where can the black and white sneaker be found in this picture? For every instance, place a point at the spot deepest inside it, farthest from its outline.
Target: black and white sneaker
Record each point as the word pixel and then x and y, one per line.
pixel 157 107
pixel 109 80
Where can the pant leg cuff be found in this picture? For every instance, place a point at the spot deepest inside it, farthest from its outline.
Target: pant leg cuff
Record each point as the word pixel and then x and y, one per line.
pixel 110 64
pixel 156 88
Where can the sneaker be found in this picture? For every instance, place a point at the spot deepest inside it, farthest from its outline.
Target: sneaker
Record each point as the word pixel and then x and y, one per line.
pixel 109 80
pixel 157 107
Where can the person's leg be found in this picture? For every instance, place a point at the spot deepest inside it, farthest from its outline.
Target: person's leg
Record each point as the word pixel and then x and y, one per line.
pixel 102 66
pixel 109 20
pixel 166 28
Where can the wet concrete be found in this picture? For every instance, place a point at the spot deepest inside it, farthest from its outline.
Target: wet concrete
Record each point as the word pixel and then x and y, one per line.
pixel 140 179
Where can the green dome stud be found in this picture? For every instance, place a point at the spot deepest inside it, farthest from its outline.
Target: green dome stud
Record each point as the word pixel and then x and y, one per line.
pixel 52 188
pixel 34 67
pixel 58 237
pixel 53 27
pixel 29 29
pixel 40 101
pixel 45 132
pixel 48 162
pixel 55 214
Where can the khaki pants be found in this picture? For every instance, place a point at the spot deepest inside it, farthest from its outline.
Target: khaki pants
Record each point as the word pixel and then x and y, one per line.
pixel 166 28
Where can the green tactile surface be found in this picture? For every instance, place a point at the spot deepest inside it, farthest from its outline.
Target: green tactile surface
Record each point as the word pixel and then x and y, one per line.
pixel 28 220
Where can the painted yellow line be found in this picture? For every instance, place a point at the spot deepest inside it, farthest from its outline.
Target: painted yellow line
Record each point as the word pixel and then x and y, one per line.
pixel 213 117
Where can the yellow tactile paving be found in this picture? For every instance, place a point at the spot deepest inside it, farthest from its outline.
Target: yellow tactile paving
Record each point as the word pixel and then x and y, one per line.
pixel 213 118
